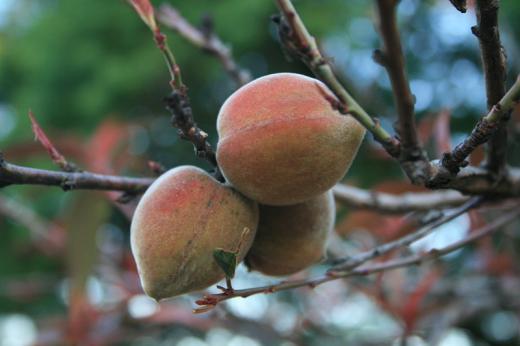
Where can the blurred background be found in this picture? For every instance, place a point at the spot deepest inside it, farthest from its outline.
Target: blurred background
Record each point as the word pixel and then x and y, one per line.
pixel 90 72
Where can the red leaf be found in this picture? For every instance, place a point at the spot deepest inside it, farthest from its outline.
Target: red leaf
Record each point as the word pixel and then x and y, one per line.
pixel 145 10
pixel 412 306
pixel 41 137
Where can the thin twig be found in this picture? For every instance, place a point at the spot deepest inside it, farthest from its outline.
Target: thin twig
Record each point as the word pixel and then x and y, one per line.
pixel 206 40
pixel 211 300
pixel 484 129
pixel 396 204
pixel 297 40
pixel 178 102
pixel 494 62
pixel 349 263
pixel 391 57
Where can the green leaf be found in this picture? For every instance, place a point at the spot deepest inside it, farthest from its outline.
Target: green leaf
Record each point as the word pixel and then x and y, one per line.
pixel 226 260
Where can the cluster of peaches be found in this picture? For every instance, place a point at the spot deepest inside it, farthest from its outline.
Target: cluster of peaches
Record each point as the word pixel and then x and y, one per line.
pixel 282 147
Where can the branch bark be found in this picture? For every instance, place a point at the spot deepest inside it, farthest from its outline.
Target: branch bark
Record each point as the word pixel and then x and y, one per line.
pixel 347 264
pixel 397 204
pixel 13 174
pixel 206 40
pixel 484 130
pixel 391 57
pixel 211 300
pixel 494 62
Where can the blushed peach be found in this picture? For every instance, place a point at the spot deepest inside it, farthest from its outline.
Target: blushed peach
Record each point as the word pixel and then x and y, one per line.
pixel 292 238
pixel 281 141
pixel 182 217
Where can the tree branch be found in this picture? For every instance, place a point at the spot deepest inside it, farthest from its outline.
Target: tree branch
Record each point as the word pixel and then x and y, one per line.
pixel 210 301
pixel 206 40
pixel 396 204
pixel 13 174
pixel 484 130
pixel 412 156
pixel 477 181
pixel 178 102
pixel 298 41
pixel 350 263
pixel 494 62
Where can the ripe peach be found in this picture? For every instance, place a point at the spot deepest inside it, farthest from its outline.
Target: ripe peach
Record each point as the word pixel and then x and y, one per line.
pixel 281 142
pixel 291 238
pixel 182 217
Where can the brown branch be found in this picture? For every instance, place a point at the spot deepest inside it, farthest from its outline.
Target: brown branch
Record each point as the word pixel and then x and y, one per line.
pixel 350 263
pixel 178 102
pixel 483 131
pixel 494 62
pixel 396 204
pixel 298 41
pixel 412 156
pixel 211 300
pixel 12 174
pixel 206 40
pixel 477 181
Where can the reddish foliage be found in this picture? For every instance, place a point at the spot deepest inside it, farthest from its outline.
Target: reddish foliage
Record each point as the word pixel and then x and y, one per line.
pixel 411 306
pixel 41 137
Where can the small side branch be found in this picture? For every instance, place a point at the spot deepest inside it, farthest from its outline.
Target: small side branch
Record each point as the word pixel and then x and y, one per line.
pixel 211 300
pixel 397 204
pixel 483 131
pixel 391 57
pixel 178 103
pixel 494 62
pixel 13 174
pixel 206 40
pixel 299 42
pixel 350 263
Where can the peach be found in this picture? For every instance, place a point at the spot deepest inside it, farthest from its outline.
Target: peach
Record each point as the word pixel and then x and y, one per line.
pixel 281 142
pixel 182 217
pixel 292 238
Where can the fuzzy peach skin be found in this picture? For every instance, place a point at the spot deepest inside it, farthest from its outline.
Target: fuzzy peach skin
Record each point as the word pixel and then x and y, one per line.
pixel 281 142
pixel 182 217
pixel 292 238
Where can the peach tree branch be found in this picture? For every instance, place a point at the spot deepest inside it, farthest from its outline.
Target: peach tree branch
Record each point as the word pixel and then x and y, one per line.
pixel 391 57
pixel 484 130
pixel 211 300
pixel 396 204
pixel 206 40
pixel 350 263
pixel 18 175
pixel 178 102
pixel 494 63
